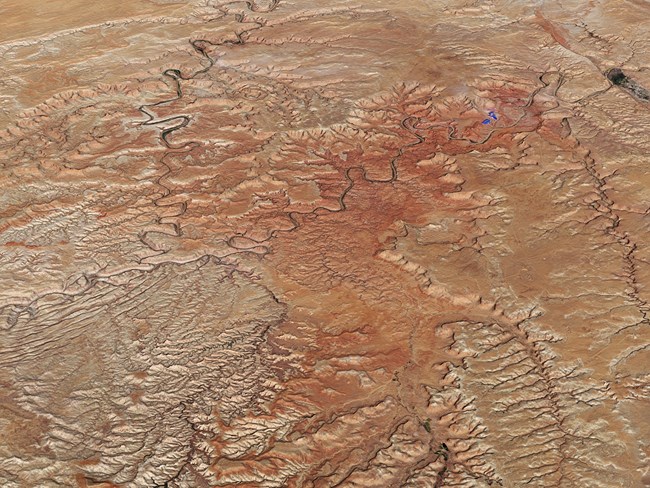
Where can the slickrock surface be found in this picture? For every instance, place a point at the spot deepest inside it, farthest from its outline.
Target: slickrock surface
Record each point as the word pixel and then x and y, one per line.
pixel 324 244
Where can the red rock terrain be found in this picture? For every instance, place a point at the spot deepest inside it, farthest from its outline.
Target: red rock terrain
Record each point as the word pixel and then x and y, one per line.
pixel 333 244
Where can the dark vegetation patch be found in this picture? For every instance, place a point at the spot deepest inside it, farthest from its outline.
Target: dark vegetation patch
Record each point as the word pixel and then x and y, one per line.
pixel 616 76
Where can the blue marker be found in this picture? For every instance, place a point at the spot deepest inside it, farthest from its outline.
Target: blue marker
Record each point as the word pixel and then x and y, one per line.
pixel 486 121
pixel 493 115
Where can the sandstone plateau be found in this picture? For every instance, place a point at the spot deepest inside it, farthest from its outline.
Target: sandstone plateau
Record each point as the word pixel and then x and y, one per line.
pixel 334 243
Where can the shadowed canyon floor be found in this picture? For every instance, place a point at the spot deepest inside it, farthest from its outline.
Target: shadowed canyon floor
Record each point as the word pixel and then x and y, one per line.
pixel 324 244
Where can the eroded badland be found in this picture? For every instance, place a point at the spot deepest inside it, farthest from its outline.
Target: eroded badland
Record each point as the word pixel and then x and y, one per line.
pixel 324 244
